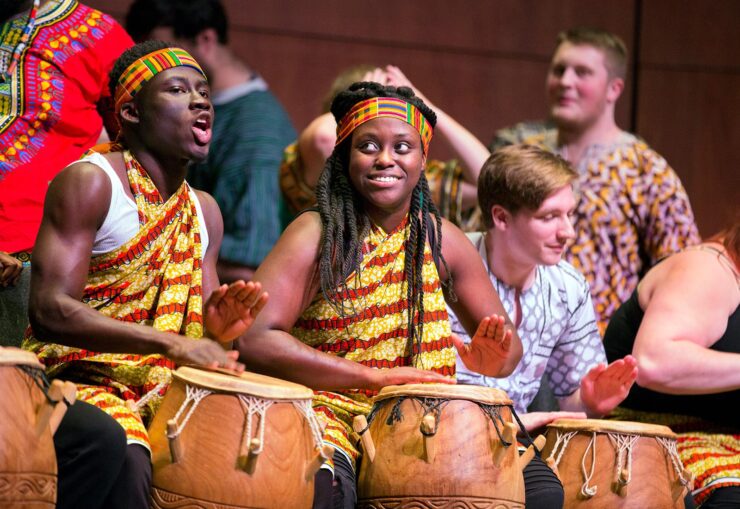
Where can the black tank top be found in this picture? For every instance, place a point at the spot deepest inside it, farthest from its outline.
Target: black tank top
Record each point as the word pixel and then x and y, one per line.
pixel 721 408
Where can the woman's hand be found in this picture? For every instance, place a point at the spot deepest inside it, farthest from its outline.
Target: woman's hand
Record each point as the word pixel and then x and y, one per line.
pixel 489 349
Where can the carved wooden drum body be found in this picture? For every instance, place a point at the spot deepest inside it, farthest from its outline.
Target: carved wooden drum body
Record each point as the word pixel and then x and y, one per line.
pixel 440 446
pixel 28 467
pixel 225 441
pixel 616 464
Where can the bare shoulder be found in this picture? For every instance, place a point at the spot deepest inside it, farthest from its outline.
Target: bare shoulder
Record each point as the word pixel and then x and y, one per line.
pixel 82 186
pixel 697 278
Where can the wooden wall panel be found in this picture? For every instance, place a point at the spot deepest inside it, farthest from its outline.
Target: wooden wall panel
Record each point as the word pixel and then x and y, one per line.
pixel 691 34
pixel 692 119
pixel 689 99
pixel 484 62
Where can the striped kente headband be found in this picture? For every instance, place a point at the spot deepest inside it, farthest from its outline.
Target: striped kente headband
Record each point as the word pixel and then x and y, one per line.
pixel 137 74
pixel 385 107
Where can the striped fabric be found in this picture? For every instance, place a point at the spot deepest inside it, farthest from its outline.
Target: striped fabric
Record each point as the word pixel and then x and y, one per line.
pixel 145 68
pixel 385 107
pixel 375 332
pixel 155 279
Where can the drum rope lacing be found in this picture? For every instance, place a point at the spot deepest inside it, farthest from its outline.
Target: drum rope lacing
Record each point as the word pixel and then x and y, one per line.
pixel 252 406
pixel 670 446
pixel 38 377
pixel 434 406
pixel 148 396
pixel 624 445
pixel 193 395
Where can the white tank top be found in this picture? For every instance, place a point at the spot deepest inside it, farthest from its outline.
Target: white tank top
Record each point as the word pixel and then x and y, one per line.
pixel 122 221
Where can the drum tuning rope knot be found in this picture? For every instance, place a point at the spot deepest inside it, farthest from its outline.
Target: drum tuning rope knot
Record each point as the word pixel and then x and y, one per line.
pixel 193 395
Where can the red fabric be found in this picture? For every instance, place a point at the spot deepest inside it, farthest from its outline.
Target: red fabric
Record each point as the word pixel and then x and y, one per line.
pixel 65 78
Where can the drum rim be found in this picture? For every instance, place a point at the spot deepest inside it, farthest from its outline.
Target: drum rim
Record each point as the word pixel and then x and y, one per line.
pixel 252 384
pixel 613 426
pixel 475 393
pixel 16 356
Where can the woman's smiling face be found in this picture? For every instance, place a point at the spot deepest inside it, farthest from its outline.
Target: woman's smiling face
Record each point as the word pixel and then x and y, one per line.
pixel 385 163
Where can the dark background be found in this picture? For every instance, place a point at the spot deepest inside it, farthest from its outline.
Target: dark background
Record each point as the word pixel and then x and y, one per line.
pixel 485 61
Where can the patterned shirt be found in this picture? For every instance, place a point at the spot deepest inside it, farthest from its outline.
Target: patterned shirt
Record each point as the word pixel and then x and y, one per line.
pixel 632 212
pixel 49 108
pixel 558 332
pixel 241 171
pixel 375 332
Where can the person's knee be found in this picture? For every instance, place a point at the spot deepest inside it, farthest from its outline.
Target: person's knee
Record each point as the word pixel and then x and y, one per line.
pixel 542 488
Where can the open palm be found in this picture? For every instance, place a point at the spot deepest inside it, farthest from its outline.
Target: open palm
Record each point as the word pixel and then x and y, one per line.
pixel 489 349
pixel 231 309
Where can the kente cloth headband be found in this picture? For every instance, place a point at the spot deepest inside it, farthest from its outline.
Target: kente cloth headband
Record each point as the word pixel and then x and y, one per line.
pixel 145 68
pixel 385 107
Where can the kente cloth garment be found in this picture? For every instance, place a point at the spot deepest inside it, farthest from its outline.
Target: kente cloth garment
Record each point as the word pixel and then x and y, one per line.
pixel 155 279
pixel 632 212
pixel 374 330
pixel 445 184
pixel 51 106
pixel 241 171
pixel 558 330
pixel 711 452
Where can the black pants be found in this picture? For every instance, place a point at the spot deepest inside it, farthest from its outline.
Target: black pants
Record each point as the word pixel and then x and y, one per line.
pixel 337 491
pixel 723 498
pixel 96 469
pixel 542 487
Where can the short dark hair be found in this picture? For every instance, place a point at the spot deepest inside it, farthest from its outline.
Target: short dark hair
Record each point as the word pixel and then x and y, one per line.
pixel 187 18
pixel 130 56
pixel 615 51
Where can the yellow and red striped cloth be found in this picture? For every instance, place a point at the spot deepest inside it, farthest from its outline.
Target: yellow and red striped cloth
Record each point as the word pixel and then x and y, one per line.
pixel 154 279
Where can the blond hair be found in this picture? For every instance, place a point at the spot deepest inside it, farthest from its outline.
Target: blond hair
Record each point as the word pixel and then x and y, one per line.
pixel 613 47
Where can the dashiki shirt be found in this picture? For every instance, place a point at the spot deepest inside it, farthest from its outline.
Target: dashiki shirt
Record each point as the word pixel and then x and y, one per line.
pixel 374 331
pixel 558 330
pixel 50 106
pixel 445 185
pixel 154 279
pixel 632 211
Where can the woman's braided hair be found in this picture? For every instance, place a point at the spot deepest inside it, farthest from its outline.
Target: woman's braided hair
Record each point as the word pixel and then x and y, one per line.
pixel 345 223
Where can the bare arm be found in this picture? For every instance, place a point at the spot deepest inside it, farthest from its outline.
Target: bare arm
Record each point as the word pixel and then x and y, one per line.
pixel 76 205
pixel 229 309
pixel 468 149
pixel 315 144
pixel 289 275
pixel 477 299
pixel 687 300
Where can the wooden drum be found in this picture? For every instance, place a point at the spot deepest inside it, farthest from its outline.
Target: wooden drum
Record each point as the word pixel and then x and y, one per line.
pixel 226 441
pixel 616 464
pixel 437 445
pixel 29 415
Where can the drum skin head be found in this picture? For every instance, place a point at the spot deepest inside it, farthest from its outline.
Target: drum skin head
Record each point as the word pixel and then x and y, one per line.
pixel 19 357
pixel 607 426
pixel 487 395
pixel 246 383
